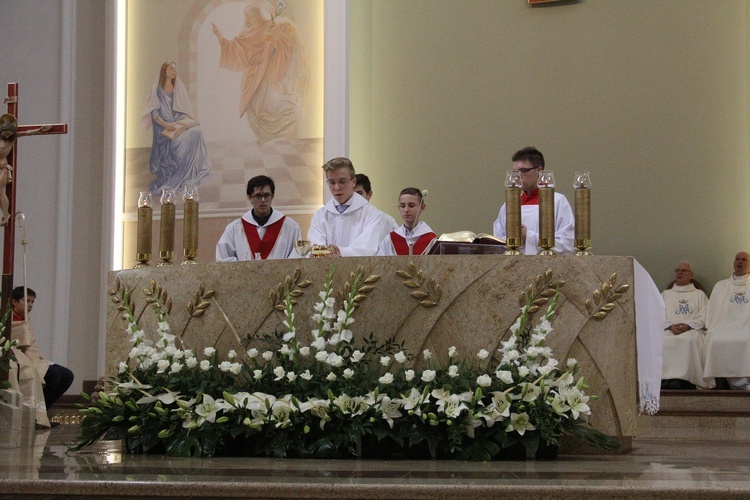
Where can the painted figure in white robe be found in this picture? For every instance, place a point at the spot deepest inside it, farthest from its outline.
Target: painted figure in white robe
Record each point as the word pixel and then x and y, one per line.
pixel 364 189
pixel 275 71
pixel 728 328
pixel 263 232
pixel 529 162
pixel 414 236
pixel 684 343
pixel 179 156
pixel 347 223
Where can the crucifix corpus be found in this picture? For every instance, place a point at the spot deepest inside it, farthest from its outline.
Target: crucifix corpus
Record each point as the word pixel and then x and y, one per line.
pixel 10 130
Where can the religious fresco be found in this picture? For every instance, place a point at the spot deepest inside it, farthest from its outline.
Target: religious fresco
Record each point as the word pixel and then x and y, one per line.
pixel 219 91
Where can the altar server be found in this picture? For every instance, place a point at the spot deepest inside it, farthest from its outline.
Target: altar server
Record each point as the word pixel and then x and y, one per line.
pixel 262 233
pixel 728 328
pixel 347 223
pixel 414 236
pixel 529 162
pixel 682 359
pixel 364 189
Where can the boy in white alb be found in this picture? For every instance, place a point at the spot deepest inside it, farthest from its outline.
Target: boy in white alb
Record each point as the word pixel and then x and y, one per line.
pixel 262 233
pixel 529 162
pixel 414 236
pixel 347 223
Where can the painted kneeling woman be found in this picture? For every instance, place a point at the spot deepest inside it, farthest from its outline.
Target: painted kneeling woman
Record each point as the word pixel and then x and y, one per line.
pixel 414 236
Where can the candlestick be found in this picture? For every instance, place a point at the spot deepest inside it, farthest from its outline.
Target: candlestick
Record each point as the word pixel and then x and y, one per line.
pixel 582 214
pixel 546 212
pixel 143 242
pixel 166 228
pixel 190 233
pixel 513 238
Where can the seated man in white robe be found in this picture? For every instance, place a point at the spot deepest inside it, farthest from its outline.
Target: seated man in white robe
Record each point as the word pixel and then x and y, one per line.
pixel 728 328
pixel 347 224
pixel 682 359
pixel 262 233
pixel 529 162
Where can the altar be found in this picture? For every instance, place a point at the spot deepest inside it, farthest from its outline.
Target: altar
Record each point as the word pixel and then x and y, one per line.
pixel 424 302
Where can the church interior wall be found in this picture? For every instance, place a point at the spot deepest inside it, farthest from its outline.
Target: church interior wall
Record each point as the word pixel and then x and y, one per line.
pixel 651 97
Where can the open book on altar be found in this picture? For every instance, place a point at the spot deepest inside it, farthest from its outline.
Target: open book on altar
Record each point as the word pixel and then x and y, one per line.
pixel 469 237
pixel 181 125
pixel 466 242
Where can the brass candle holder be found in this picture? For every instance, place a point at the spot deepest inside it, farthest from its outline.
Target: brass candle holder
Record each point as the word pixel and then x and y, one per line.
pixel 582 213
pixel 166 228
pixel 143 243
pixel 190 232
pixel 513 238
pixel 546 212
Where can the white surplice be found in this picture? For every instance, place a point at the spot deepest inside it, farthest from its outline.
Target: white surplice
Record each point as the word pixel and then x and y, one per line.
pixel 357 232
pixel 683 354
pixel 386 247
pixel 233 245
pixel 564 226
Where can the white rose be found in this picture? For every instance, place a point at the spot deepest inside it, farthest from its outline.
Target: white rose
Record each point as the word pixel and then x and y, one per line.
pixel 428 375
pixel 232 354
pixel 191 362
pixel 386 379
pixel 523 371
pixel 306 375
pixel 122 367
pixel 176 367
pixel 321 356
pixel 401 357
pixel 357 356
pixel 162 365
pixel 279 372
pixel 348 373
pixel 426 354
pixel 257 374
pixel 205 365
pixel 385 360
pixel 209 351
pixel 453 371
pixel 484 380
pixel 304 351
pixel 505 376
pixel 451 351
pixel 331 377
pixel 409 375
pixel 268 355
pixel 252 353
pixel 483 354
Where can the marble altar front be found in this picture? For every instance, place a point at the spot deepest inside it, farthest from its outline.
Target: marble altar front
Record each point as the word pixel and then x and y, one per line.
pixel 424 302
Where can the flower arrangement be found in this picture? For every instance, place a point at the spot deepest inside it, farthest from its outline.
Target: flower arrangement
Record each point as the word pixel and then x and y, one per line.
pixel 6 352
pixel 326 398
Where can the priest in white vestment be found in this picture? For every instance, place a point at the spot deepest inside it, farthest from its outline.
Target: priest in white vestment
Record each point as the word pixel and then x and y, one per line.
pixel 728 328
pixel 682 358
pixel 262 233
pixel 347 223
pixel 529 162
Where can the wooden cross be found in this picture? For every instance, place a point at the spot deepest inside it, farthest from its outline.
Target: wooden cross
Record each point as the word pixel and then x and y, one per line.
pixel 10 227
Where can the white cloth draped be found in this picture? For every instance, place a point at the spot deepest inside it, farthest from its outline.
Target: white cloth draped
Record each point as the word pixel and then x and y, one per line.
pixel 564 226
pixel 649 320
pixel 683 354
pixel 233 245
pixel 357 232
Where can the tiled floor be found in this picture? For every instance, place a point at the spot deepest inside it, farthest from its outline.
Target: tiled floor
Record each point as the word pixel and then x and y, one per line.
pixel 667 468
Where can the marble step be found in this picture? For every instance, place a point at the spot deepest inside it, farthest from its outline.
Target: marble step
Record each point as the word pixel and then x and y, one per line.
pixel 710 415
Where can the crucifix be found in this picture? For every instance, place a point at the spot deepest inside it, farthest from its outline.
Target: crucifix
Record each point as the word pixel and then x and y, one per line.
pixel 9 132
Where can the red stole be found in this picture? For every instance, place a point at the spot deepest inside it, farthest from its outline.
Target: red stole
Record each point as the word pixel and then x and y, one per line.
pixel 265 245
pixel 402 247
pixel 530 199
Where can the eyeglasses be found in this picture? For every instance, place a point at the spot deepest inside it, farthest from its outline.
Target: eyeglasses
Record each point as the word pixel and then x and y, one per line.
pixel 262 197
pixel 525 170
pixel 340 182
